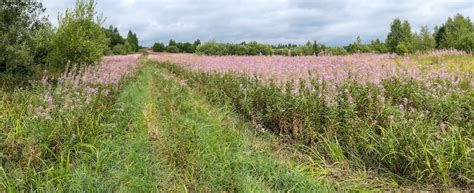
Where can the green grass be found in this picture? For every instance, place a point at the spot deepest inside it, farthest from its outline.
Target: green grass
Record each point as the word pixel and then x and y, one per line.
pixel 123 156
pixel 160 133
pixel 214 151
pixel 109 147
pixel 406 148
pixel 152 135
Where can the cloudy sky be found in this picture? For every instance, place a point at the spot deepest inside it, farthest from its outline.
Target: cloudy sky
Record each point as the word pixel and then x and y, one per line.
pixel 271 21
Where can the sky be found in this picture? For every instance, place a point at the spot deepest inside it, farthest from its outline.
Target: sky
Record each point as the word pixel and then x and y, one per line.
pixel 335 23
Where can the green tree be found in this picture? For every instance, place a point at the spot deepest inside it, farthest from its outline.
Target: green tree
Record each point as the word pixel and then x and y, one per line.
pixel 133 40
pixel 172 43
pixel 41 44
pixel 378 46
pixel 114 35
pixel 173 49
pixel 196 44
pixel 79 39
pixel 307 49
pixel 212 48
pixel 120 49
pixel 424 41
pixel 358 47
pixel 466 42
pixel 452 33
pixel 187 47
pixel 316 48
pixel 158 47
pixel 401 49
pixel 19 23
pixel 399 33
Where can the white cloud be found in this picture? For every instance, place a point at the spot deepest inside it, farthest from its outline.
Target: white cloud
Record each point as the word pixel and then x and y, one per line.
pixel 272 21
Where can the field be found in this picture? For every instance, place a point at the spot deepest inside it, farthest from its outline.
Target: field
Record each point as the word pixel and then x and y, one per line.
pixel 409 118
pixel 243 96
pixel 184 122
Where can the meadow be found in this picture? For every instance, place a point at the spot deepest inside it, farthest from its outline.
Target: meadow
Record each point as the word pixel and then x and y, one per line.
pixel 183 122
pixel 406 119
pixel 87 108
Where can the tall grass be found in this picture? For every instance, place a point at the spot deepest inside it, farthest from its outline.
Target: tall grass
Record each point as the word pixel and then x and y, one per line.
pixel 211 154
pixel 414 129
pixel 43 129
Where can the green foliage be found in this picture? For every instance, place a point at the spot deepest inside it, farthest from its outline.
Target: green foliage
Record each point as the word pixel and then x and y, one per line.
pixel 196 43
pixel 173 49
pixel 466 42
pixel 424 41
pixel 19 25
pixel 185 47
pixel 79 39
pixel 399 134
pixel 254 48
pixel 41 43
pixel 120 49
pixel 378 46
pixel 400 33
pixel 358 47
pixel 120 46
pixel 178 47
pixel 132 39
pixel 115 38
pixel 159 47
pixel 212 48
pixel 335 51
pixel 401 49
pixel 452 33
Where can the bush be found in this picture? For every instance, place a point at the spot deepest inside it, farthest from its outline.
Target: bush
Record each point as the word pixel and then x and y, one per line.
pixel 158 47
pixel 401 49
pixel 212 48
pixel 19 25
pixel 19 58
pixel 466 43
pixel 173 49
pixel 80 39
pixel 120 49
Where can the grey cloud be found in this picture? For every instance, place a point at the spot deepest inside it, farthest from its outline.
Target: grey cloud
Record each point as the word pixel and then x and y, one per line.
pixel 271 21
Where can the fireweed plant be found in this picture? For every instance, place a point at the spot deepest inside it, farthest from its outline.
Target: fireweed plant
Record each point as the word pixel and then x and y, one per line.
pixel 407 117
pixel 43 128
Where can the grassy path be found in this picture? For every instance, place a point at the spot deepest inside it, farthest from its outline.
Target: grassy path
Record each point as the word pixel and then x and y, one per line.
pixel 123 159
pixel 209 149
pixel 161 136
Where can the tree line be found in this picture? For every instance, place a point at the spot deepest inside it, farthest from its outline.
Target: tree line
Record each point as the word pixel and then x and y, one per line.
pixel 177 47
pixel 455 33
pixel 29 42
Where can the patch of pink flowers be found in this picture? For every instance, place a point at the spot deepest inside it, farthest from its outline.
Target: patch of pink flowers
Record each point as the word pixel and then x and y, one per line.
pixel 78 88
pixel 334 70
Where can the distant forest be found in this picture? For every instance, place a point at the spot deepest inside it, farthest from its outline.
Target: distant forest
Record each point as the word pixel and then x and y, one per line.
pixel 455 33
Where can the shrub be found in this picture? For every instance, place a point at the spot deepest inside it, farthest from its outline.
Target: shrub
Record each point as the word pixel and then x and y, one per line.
pixel 19 23
pixel 401 49
pixel 466 43
pixel 120 49
pixel 79 39
pixel 212 48
pixel 173 49
pixel 158 47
